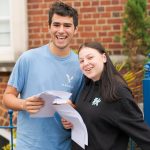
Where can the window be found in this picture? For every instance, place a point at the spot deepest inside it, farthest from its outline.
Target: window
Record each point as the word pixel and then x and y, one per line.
pixel 13 29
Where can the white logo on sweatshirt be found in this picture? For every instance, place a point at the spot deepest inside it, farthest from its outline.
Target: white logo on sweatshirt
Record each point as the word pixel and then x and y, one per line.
pixel 96 101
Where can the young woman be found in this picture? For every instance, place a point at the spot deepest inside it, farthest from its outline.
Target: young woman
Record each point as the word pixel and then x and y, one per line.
pixel 106 104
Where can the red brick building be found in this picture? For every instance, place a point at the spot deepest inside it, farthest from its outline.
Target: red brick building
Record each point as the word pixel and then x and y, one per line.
pixel 99 20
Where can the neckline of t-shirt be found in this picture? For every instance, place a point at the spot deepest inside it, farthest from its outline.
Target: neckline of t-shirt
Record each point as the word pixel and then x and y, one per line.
pixel 58 57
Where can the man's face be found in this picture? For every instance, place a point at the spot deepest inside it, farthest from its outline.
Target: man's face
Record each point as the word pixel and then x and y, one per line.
pixel 62 31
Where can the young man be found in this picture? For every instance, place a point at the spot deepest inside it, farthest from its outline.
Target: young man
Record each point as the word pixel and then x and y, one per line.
pixel 50 67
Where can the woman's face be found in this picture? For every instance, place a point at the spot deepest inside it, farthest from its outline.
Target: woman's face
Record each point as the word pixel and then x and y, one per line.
pixel 91 63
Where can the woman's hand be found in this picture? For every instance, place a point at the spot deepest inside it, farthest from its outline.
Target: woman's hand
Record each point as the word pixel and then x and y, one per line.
pixel 66 124
pixel 70 102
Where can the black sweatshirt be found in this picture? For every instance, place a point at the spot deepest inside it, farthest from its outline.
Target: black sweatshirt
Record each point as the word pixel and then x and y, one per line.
pixel 110 124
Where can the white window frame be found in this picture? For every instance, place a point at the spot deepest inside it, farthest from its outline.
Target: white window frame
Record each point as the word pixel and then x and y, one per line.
pixel 18 32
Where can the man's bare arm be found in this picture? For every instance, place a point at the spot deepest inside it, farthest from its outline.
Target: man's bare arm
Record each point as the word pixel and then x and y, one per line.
pixel 11 100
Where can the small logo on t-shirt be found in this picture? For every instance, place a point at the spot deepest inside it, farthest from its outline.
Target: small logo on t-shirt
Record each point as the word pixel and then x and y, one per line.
pixel 96 101
pixel 69 78
pixel 68 81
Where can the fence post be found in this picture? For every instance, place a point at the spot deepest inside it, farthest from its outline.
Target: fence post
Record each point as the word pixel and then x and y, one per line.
pixel 146 92
pixel 132 144
pixel 10 112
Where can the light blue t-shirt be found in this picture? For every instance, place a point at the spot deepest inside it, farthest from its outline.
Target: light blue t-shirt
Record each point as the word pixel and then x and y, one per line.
pixel 38 70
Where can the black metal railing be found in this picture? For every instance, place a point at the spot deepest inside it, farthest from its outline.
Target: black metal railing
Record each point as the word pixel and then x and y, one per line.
pixel 10 127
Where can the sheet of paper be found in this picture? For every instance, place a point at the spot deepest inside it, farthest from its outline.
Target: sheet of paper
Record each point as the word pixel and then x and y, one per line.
pixel 49 96
pixel 79 131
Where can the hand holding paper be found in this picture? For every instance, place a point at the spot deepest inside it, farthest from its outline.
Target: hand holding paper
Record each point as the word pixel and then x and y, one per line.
pixel 48 97
pixel 32 104
pixel 56 101
pixel 79 128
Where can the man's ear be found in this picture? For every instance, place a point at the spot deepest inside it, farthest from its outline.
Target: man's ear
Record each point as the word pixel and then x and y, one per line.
pixel 76 30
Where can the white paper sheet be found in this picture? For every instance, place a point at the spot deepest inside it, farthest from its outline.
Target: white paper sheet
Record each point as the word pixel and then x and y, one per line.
pixel 55 101
pixel 49 96
pixel 79 131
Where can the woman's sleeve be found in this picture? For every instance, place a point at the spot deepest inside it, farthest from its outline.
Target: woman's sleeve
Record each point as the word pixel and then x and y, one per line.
pixel 129 118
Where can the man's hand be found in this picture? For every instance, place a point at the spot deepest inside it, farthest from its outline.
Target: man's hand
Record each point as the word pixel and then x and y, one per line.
pixel 32 104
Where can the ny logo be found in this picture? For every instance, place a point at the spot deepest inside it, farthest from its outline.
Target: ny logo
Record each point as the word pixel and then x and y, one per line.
pixel 96 101
pixel 69 78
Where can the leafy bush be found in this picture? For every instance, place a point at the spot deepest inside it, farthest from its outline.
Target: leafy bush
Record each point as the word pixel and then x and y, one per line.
pixel 133 79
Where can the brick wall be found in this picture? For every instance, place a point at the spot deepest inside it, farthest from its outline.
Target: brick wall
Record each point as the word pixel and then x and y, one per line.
pixel 99 20
pixel 4 118
pixel 3 112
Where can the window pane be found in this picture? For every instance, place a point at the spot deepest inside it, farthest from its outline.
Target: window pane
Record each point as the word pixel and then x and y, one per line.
pixel 4 23
pixel 4 8
pixel 4 33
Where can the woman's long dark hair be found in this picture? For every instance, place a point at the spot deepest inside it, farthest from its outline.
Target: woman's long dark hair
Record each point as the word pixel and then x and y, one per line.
pixel 110 77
